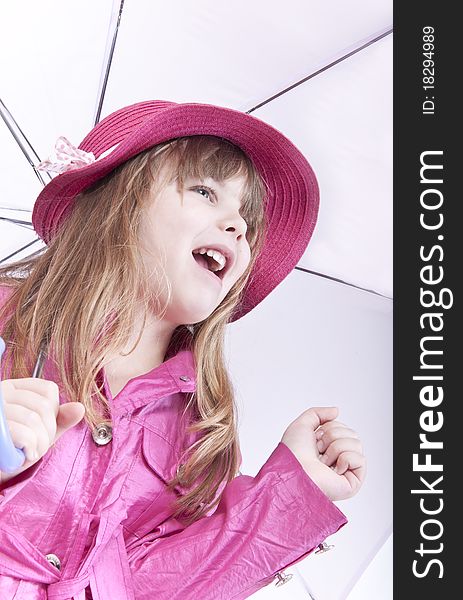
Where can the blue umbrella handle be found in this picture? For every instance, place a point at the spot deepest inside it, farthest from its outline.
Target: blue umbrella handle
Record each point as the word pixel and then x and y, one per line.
pixel 11 458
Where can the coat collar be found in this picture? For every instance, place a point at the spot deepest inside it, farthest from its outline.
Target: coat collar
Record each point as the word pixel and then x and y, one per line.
pixel 174 375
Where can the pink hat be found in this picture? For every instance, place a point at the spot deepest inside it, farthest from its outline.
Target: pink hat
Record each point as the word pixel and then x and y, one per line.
pixel 291 202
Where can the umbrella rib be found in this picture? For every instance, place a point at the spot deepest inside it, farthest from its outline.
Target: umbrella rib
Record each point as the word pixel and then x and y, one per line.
pixel 15 209
pixel 16 221
pixel 107 67
pixel 19 250
pixel 358 287
pixel 8 119
pixel 321 70
pixel 21 139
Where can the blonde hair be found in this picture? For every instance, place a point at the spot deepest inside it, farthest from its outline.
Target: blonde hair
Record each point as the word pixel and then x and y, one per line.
pixel 66 292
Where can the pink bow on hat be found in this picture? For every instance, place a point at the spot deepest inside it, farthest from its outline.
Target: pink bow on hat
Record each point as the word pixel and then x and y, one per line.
pixel 66 157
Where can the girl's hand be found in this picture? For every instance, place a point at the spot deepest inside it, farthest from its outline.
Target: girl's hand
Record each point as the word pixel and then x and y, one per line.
pixel 330 453
pixel 35 417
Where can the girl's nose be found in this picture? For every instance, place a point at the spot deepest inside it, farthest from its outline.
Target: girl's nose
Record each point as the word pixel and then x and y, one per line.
pixel 235 222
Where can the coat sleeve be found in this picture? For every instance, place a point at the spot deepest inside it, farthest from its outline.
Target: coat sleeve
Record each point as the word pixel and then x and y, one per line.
pixel 262 525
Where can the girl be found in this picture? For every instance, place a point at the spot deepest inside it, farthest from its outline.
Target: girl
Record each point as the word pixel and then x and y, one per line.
pixel 168 222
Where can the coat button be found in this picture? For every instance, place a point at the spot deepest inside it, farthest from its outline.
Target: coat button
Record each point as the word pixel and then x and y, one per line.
pixel 324 547
pixel 54 560
pixel 102 434
pixel 184 378
pixel 282 578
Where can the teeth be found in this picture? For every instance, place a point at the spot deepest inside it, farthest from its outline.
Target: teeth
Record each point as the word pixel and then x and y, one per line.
pixel 215 254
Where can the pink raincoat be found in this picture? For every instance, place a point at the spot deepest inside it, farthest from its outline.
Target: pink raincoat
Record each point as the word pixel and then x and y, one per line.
pixel 92 519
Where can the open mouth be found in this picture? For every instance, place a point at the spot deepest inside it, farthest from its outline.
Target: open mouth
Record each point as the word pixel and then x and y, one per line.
pixel 208 263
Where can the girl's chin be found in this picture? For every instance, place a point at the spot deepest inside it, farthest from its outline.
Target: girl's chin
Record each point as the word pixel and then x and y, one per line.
pixel 195 312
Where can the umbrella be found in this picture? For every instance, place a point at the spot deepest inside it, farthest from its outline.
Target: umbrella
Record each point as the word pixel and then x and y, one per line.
pixel 321 73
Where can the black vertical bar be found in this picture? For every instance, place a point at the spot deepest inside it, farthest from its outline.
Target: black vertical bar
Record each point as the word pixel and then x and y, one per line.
pixel 427 324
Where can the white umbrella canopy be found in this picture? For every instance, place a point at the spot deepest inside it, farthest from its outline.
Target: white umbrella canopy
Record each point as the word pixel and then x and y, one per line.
pixel 328 325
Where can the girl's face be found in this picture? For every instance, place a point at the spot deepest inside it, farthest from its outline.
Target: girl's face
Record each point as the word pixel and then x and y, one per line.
pixel 208 216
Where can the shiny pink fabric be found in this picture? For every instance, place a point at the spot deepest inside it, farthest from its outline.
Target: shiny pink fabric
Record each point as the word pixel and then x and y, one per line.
pixel 104 510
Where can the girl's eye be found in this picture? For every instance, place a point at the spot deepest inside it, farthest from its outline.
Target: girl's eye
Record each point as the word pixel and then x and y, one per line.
pixel 209 192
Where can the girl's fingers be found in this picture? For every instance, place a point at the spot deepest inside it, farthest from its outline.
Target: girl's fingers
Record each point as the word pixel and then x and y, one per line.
pixel 40 405
pixel 44 387
pixel 27 429
pixel 353 466
pixel 331 454
pixel 317 415
pixel 332 434
pixel 24 438
pixel 327 426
